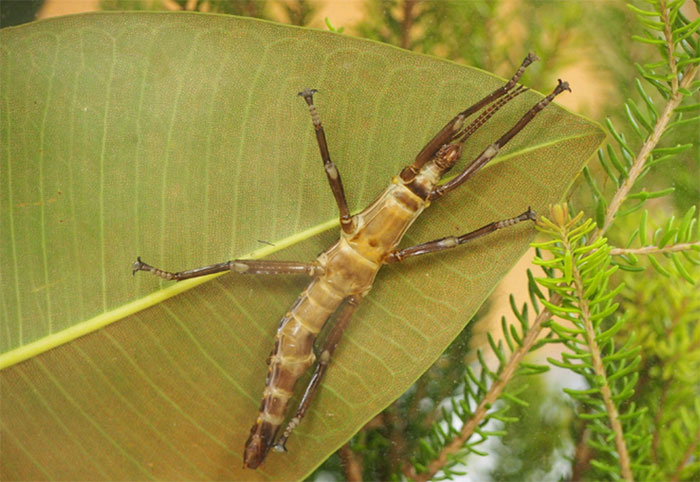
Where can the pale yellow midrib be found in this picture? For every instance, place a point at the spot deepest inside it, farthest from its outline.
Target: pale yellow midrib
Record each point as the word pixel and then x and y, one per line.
pixel 54 340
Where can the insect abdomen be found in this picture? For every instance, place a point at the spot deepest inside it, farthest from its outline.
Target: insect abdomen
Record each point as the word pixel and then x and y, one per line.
pixel 290 357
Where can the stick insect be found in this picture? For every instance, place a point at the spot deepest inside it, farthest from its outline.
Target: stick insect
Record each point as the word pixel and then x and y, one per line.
pixel 344 273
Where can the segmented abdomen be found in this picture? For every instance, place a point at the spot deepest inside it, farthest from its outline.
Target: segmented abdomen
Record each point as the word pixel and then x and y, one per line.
pixel 291 355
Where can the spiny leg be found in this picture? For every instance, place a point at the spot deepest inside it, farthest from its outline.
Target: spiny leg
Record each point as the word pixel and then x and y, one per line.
pixel 491 151
pixel 448 132
pixel 454 241
pixel 329 345
pixel 346 221
pixel 242 266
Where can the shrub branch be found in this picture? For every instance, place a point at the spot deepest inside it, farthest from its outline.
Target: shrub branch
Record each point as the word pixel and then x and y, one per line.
pixel 640 160
pixel 491 397
pixel 674 248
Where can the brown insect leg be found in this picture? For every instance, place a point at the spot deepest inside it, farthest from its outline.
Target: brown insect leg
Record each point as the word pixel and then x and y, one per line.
pixel 331 342
pixel 454 241
pixel 346 221
pixel 242 266
pixel 491 151
pixel 447 133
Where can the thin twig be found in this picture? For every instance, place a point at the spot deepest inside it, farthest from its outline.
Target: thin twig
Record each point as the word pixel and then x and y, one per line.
pixel 599 369
pixel 412 410
pixel 582 457
pixel 659 129
pixel 397 429
pixel 640 161
pixel 352 463
pixel 657 421
pixel 407 23
pixel 489 399
pixel 672 248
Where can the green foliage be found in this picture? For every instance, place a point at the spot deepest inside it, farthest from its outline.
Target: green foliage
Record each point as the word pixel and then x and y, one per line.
pixel 486 34
pixel 481 376
pixel 669 375
pixel 669 249
pixel 535 448
pixel 587 329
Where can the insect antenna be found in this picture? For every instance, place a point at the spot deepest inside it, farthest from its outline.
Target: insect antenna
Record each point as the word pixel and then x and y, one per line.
pixel 447 133
pixel 491 151
pixel 473 126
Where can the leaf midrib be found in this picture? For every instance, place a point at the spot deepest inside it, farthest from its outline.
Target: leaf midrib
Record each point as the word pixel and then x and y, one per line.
pixel 91 325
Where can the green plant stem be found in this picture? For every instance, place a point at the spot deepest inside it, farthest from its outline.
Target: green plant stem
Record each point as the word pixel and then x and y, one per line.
pixel 640 160
pixel 673 248
pixel 599 369
pixel 489 399
pixel 668 35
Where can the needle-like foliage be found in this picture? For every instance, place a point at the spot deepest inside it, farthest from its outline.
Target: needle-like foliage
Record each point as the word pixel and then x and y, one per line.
pixel 586 322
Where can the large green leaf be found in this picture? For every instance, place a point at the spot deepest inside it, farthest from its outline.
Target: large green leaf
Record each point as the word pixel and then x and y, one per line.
pixel 178 137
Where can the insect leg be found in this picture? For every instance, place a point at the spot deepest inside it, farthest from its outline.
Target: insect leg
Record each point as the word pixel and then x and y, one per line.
pixel 242 266
pixel 454 241
pixel 329 345
pixel 447 133
pixel 491 151
pixel 346 221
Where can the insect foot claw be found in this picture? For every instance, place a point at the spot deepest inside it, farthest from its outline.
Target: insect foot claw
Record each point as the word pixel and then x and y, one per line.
pixel 563 85
pixel 137 265
pixel 531 214
pixel 531 57
pixel 306 93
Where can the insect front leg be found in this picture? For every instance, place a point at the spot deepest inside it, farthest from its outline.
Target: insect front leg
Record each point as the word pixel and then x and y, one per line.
pixel 346 221
pixel 454 241
pixel 491 151
pixel 329 345
pixel 241 266
pixel 451 129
